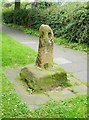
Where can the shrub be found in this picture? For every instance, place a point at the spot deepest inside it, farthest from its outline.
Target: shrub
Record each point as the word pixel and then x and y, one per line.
pixel 77 28
pixel 34 18
pixel 8 16
pixel 71 25
pixel 20 17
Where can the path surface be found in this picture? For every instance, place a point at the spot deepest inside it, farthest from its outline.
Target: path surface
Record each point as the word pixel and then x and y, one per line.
pixel 34 101
pixel 71 60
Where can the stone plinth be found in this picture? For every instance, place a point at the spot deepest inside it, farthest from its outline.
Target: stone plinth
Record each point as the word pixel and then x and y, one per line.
pixel 44 74
pixel 43 79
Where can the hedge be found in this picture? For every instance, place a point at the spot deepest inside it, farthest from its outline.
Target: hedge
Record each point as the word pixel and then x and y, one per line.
pixel 72 26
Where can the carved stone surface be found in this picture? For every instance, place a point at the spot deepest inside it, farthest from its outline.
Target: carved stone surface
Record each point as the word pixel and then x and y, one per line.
pixel 45 50
pixel 44 74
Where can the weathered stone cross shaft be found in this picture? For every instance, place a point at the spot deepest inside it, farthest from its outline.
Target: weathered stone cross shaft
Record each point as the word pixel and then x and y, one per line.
pixel 44 74
pixel 45 50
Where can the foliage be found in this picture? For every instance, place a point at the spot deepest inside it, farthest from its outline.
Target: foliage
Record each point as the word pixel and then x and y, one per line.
pixel 69 44
pixel 7 16
pixel 77 28
pixel 31 31
pixel 43 5
pixel 20 17
pixel 34 17
pixel 2 2
pixel 25 5
pixel 7 6
pixel 71 25
pixel 15 54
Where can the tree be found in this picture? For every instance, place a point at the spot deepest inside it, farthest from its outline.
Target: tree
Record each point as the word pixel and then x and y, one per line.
pixel 17 4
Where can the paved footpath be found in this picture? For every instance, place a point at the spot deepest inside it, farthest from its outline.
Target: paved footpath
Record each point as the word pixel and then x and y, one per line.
pixel 73 61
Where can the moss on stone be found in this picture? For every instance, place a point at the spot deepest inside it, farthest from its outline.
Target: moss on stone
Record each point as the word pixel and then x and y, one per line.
pixel 45 49
pixel 43 79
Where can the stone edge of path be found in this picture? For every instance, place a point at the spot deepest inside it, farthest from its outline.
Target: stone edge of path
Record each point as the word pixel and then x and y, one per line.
pixel 34 101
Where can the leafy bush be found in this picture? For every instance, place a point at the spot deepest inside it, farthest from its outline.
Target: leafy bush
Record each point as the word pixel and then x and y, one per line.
pixel 34 18
pixel 8 16
pixel 71 25
pixel 20 17
pixel 42 5
pixel 77 28
pixel 54 19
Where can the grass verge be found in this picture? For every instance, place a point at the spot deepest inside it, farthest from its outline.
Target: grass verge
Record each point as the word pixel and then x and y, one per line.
pixel 72 108
pixel 11 104
pixel 60 41
pixel 76 46
pixel 26 30
pixel 16 54
pixel 12 107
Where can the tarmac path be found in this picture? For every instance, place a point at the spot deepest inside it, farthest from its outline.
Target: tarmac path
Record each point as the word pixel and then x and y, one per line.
pixel 73 61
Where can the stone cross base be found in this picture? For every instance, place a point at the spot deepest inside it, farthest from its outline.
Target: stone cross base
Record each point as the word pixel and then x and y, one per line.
pixel 43 79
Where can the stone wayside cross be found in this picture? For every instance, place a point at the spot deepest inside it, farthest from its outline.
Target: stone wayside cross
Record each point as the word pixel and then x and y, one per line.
pixel 50 74
pixel 45 50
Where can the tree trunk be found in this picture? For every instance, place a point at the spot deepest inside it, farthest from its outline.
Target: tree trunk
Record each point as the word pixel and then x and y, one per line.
pixel 17 4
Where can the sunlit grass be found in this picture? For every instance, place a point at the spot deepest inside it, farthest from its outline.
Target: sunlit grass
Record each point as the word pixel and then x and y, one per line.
pixel 76 46
pixel 15 54
pixel 13 107
pixel 11 104
pixel 72 108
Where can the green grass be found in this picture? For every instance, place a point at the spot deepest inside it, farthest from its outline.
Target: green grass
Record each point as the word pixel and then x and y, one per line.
pixel 11 104
pixel 0 48
pixel 24 29
pixel 15 54
pixel 12 107
pixel 76 46
pixel 72 108
pixel 31 31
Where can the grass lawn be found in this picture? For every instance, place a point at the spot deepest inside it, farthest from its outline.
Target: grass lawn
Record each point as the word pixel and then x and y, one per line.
pixel 72 108
pixel 12 107
pixel 15 54
pixel 76 46
pixel 11 104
